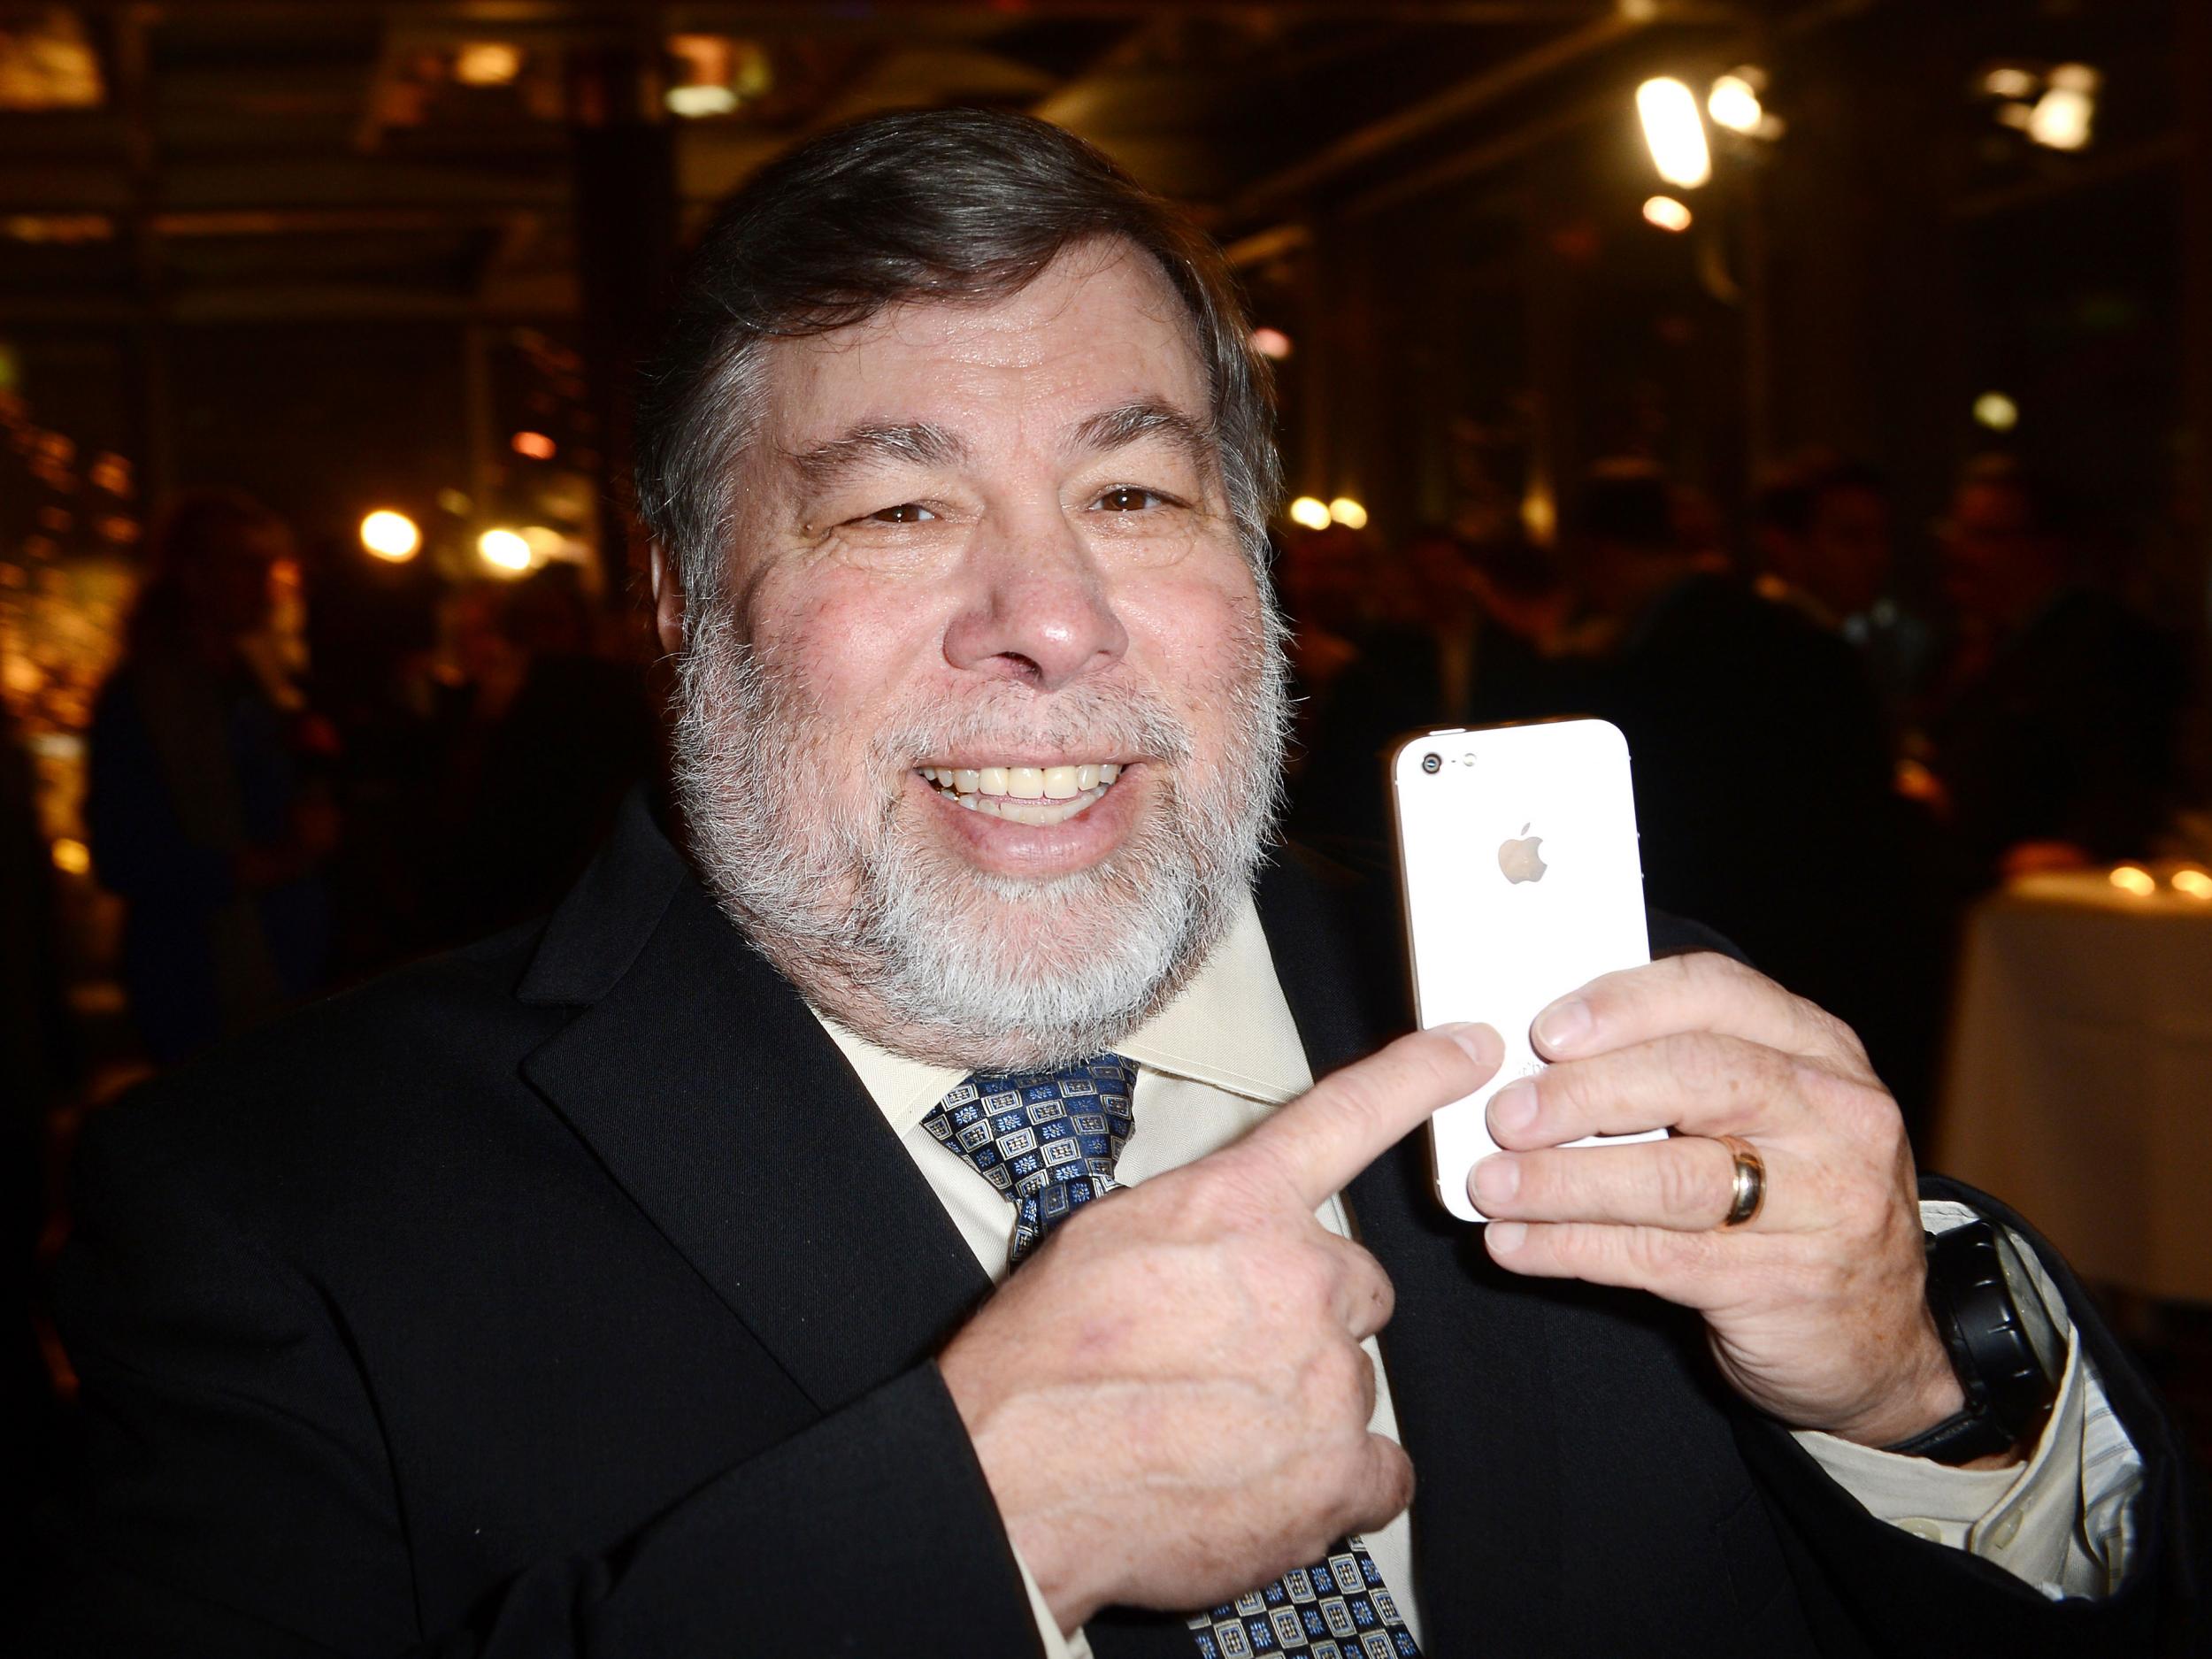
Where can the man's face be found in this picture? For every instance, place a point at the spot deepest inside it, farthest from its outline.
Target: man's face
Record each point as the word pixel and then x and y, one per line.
pixel 1996 563
pixel 1849 548
pixel 981 750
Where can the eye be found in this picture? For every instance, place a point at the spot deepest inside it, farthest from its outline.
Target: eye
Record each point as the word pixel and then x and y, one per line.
pixel 905 513
pixel 1129 498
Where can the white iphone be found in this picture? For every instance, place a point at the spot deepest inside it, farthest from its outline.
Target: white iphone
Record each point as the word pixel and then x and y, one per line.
pixel 1517 846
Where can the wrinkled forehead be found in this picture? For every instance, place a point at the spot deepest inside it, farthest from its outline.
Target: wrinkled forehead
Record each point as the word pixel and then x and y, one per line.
pixel 1098 327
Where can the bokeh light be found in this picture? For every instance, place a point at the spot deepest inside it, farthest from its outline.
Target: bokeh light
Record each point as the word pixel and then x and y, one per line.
pixel 391 534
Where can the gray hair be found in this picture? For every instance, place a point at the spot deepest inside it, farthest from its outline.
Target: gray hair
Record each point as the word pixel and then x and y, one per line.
pixel 951 205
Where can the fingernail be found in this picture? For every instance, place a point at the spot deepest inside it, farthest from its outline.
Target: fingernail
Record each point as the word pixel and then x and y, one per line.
pixel 1507 1237
pixel 1563 1024
pixel 1481 1042
pixel 1513 1108
pixel 1496 1180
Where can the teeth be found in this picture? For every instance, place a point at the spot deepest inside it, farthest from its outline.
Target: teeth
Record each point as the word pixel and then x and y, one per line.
pixel 1030 812
pixel 1024 794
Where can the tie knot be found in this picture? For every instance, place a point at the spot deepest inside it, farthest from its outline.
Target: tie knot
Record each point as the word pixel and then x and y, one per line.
pixel 1046 1139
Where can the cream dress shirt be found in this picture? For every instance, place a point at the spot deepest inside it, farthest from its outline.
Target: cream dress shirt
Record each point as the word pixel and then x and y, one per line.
pixel 1225 1053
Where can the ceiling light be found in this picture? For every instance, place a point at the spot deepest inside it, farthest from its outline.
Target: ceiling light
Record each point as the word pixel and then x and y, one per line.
pixel 504 550
pixel 390 535
pixel 1675 131
pixel 1733 103
pixel 487 63
pixel 1667 214
pixel 2061 118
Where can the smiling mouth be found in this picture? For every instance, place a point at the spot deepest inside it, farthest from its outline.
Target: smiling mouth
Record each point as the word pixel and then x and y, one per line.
pixel 1024 794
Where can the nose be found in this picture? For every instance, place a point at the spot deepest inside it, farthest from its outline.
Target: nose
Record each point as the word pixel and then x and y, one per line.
pixel 1038 609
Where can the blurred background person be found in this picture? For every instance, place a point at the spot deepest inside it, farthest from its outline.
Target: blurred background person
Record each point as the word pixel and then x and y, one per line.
pixel 201 816
pixel 556 734
pixel 1822 541
pixel 2051 729
pixel 1762 769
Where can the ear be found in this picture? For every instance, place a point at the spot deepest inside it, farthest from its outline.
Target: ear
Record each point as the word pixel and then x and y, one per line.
pixel 668 601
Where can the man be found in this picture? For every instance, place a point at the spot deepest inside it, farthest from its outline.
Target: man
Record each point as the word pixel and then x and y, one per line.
pixel 1762 777
pixel 624 1285
pixel 2052 733
pixel 1820 529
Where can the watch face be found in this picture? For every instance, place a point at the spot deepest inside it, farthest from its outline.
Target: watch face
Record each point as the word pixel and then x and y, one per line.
pixel 2036 1323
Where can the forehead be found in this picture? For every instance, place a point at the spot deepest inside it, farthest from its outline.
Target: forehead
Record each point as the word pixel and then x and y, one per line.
pixel 1099 326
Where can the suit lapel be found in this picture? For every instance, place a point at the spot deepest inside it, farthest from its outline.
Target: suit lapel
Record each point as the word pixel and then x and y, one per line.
pixel 1469 1351
pixel 709 1091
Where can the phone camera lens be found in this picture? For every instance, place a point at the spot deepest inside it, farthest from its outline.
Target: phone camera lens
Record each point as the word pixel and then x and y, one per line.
pixel 1432 763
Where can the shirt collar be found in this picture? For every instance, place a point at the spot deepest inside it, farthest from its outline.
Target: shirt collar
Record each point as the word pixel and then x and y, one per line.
pixel 1229 1028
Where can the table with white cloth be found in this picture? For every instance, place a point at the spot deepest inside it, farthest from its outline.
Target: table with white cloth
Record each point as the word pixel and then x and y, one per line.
pixel 2079 1083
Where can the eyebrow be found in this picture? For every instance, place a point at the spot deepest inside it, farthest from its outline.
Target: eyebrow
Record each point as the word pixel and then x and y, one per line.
pixel 913 443
pixel 1128 423
pixel 821 466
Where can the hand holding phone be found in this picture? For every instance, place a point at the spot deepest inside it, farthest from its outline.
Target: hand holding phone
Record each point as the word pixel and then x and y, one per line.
pixel 1517 847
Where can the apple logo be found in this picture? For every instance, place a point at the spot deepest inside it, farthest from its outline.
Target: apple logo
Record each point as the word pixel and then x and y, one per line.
pixel 1519 859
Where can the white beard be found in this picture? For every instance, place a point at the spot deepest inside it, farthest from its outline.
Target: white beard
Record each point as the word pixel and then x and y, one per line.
pixel 887 930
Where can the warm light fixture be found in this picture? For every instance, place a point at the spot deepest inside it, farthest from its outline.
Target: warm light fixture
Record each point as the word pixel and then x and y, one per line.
pixel 391 536
pixel 1732 102
pixel 487 63
pixel 1348 512
pixel 504 550
pixel 2134 878
pixel 692 102
pixel 535 445
pixel 1666 213
pixel 1674 132
pixel 1996 411
pixel 1271 343
pixel 713 74
pixel 72 857
pixel 1539 512
pixel 1311 511
pixel 2061 118
pixel 2192 881
pixel 2008 80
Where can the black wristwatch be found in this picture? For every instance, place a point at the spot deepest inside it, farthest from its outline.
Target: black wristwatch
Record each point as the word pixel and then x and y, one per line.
pixel 2007 1353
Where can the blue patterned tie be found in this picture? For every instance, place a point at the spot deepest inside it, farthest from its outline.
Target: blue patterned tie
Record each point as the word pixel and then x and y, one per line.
pixel 1047 1140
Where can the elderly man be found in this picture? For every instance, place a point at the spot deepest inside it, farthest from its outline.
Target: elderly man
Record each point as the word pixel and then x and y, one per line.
pixel 624 1285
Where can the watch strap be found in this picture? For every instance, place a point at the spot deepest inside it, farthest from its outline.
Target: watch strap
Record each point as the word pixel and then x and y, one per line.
pixel 1959 1439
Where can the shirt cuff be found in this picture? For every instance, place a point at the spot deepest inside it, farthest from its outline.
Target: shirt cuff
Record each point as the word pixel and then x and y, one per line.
pixel 2062 1520
pixel 1055 1645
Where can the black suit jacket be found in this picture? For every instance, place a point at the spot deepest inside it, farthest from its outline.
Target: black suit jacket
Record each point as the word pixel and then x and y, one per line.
pixel 568 1295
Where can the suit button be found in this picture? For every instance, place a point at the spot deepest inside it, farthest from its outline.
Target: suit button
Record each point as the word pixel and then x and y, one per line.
pixel 2007 1529
pixel 1920 1528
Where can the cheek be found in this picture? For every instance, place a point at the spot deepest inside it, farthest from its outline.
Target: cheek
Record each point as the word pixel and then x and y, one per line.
pixel 850 645
pixel 1204 638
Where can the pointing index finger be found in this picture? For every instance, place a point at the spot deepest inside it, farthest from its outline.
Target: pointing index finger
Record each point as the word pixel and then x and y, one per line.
pixel 1325 1137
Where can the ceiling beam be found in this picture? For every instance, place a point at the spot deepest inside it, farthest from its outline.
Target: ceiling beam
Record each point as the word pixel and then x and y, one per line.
pixel 1369 143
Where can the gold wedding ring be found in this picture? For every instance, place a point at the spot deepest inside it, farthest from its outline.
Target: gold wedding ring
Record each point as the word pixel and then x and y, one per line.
pixel 1750 1190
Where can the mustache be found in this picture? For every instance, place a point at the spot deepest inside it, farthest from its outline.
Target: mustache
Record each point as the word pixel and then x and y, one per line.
pixel 1089 720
